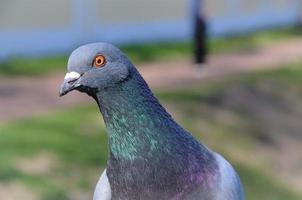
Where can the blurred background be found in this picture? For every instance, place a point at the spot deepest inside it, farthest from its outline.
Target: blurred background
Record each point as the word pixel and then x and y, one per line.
pixel 229 71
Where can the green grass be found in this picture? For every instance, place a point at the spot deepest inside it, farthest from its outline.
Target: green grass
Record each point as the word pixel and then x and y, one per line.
pixel 253 40
pixel 75 137
pixel 62 133
pixel 290 74
pixel 79 141
pixel 81 148
pixel 149 52
pixel 21 66
pixel 259 185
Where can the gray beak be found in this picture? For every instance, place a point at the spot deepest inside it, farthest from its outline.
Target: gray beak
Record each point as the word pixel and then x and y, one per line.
pixel 70 83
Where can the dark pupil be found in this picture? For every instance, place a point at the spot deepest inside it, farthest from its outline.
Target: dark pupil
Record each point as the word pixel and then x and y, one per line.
pixel 99 61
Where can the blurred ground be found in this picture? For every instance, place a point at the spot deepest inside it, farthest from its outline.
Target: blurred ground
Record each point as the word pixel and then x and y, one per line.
pixel 252 119
pixel 21 97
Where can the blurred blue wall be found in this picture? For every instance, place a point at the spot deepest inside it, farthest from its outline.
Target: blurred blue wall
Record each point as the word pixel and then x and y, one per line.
pixel 31 27
pixel 240 16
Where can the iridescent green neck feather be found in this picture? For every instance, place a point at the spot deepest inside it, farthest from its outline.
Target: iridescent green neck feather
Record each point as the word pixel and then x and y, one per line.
pixel 129 112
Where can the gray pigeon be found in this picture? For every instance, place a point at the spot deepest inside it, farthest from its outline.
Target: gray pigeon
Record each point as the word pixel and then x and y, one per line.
pixel 151 157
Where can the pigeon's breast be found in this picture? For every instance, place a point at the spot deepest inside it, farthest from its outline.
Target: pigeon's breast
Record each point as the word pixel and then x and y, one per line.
pixel 144 179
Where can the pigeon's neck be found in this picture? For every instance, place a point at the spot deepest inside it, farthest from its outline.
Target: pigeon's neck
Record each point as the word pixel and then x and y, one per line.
pixel 136 123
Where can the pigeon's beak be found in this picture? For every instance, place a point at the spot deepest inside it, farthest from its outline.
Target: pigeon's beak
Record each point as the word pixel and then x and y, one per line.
pixel 70 83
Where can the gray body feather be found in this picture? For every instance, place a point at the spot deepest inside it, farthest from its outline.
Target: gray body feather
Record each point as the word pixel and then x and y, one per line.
pixel 229 185
pixel 102 190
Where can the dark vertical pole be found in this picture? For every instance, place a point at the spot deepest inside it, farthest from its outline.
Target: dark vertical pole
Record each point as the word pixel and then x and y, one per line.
pixel 200 33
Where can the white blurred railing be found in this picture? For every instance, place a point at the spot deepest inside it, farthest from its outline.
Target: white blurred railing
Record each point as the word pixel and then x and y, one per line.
pixel 31 27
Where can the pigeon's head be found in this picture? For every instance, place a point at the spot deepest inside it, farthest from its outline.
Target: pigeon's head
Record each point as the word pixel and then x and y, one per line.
pixel 94 67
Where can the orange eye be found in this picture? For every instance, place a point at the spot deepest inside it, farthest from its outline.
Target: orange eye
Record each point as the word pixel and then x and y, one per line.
pixel 99 61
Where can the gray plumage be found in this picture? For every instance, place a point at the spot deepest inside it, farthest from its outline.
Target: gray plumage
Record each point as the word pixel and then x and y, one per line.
pixel 151 156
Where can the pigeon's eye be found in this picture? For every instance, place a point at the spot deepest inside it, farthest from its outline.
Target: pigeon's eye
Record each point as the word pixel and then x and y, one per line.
pixel 99 61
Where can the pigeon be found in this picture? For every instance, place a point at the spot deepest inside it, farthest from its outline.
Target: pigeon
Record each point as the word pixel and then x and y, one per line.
pixel 151 157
